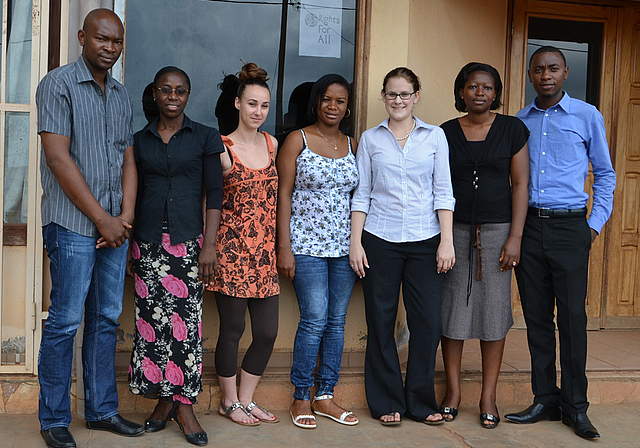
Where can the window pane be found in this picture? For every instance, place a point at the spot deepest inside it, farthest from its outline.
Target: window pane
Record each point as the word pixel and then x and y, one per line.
pixel 221 35
pixel 325 23
pixel 18 51
pixel 16 167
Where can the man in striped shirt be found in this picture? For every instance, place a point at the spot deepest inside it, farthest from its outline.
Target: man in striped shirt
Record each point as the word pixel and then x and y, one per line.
pixel 89 184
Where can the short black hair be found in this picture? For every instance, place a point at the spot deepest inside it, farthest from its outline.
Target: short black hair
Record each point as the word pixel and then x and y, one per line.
pixel 463 76
pixel 319 89
pixel 548 49
pixel 171 69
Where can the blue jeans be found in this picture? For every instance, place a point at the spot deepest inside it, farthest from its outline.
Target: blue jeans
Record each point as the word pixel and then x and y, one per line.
pixel 89 280
pixel 323 287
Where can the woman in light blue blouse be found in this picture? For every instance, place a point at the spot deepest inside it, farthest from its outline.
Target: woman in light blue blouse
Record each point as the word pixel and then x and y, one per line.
pixel 317 172
pixel 401 233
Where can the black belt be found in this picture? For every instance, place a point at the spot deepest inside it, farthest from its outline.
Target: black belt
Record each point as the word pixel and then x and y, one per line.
pixel 558 212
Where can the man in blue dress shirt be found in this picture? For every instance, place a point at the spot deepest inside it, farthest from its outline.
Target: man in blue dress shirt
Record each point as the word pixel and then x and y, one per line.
pixel 566 134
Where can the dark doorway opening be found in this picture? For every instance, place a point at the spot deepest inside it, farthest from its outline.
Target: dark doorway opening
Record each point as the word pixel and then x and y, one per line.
pixel 581 43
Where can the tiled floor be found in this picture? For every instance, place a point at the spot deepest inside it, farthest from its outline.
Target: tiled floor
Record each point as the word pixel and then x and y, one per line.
pixel 617 425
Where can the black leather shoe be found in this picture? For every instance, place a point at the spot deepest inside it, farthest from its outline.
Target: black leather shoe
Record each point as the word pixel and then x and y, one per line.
pixel 581 425
pixel 58 437
pixel 535 413
pixel 117 425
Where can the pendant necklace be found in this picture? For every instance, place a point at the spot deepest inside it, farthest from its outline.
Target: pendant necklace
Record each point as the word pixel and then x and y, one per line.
pixel 335 145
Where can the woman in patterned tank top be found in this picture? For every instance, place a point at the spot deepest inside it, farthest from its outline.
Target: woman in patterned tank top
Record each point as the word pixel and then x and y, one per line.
pixel 246 276
pixel 317 170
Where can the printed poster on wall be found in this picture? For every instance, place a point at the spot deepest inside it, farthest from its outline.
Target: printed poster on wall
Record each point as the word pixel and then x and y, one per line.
pixel 320 28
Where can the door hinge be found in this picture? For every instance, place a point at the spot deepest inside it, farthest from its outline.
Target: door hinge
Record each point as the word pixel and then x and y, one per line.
pixel 33 315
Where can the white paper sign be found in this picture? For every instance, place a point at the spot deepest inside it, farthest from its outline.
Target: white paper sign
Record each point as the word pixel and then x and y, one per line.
pixel 320 28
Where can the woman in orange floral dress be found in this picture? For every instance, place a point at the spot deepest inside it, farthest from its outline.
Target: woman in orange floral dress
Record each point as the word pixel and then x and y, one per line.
pixel 246 276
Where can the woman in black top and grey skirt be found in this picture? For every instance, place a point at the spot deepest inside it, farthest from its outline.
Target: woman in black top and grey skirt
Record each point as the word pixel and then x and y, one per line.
pixel 489 162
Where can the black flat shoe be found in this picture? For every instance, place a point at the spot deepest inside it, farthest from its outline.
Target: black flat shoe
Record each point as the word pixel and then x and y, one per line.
pixel 581 425
pixel 154 425
pixel 198 438
pixel 158 425
pixel 535 413
pixel 117 425
pixel 492 419
pixel 58 437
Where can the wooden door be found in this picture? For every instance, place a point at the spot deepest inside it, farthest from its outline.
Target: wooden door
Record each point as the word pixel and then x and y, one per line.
pixel 621 309
pixel 524 10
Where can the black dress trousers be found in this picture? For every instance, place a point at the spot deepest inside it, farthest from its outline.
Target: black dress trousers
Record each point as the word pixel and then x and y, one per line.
pixel 553 270
pixel 412 265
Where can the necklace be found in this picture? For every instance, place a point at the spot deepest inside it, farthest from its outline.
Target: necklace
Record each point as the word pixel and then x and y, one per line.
pixel 413 128
pixel 335 145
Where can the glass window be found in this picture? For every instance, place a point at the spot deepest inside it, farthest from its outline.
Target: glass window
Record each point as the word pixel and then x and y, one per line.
pixel 18 51
pixel 16 167
pixel 221 35
pixel 16 140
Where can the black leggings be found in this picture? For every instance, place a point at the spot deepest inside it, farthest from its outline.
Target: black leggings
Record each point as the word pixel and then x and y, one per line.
pixel 264 329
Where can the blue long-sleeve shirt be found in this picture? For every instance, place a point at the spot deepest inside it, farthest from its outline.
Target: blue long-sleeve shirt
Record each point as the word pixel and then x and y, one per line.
pixel 564 138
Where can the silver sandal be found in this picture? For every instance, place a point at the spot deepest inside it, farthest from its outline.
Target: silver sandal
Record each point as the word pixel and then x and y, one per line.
pixel 254 405
pixel 234 407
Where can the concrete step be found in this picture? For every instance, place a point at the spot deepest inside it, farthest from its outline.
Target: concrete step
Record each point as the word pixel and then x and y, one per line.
pixel 20 393
pixel 613 370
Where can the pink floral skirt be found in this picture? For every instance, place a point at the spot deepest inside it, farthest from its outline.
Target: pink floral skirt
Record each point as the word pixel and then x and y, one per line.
pixel 166 361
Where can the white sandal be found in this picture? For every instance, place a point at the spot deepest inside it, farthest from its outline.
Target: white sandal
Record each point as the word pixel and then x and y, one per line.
pixel 296 420
pixel 343 416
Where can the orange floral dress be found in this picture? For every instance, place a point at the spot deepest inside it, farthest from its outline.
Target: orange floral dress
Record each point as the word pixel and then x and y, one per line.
pixel 246 240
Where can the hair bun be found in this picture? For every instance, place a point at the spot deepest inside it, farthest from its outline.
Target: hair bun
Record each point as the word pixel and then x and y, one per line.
pixel 251 71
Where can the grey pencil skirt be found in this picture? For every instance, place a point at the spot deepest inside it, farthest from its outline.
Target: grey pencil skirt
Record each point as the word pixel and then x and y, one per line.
pixel 488 314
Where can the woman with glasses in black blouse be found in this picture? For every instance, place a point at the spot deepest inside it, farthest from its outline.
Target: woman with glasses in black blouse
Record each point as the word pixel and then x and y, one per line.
pixel 171 258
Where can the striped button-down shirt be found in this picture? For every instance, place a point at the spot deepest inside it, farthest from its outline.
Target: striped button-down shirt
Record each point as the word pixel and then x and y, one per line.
pixel 401 189
pixel 72 104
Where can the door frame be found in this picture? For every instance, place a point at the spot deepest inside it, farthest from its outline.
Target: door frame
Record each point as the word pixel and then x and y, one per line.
pixel 517 79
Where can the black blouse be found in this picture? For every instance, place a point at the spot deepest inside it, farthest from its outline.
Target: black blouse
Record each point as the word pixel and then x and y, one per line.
pixel 170 180
pixel 485 171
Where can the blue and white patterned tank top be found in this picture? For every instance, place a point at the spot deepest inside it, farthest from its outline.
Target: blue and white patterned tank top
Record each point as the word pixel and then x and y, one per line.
pixel 321 203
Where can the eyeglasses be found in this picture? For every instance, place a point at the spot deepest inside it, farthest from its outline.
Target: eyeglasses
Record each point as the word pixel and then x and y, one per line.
pixel 403 96
pixel 166 90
